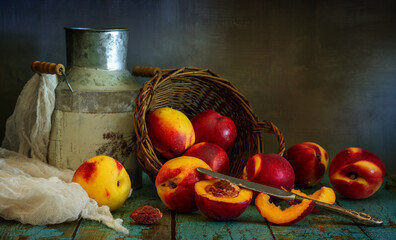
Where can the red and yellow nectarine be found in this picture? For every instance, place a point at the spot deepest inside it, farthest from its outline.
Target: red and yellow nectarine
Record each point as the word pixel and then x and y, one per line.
pixel 356 173
pixel 309 161
pixel 270 169
pixel 170 132
pixel 105 180
pixel 175 182
pixel 212 154
pixel 210 126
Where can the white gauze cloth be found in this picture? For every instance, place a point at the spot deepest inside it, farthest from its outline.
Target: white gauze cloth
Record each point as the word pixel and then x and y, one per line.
pixel 31 191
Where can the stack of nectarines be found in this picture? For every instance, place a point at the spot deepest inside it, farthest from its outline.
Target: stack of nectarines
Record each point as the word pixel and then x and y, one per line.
pixel 183 145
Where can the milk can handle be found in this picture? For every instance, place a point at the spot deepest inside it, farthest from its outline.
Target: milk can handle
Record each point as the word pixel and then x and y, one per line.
pixel 47 67
pixel 50 68
pixel 269 127
pixel 145 71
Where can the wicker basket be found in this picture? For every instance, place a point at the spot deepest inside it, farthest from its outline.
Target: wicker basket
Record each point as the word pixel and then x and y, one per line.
pixel 191 91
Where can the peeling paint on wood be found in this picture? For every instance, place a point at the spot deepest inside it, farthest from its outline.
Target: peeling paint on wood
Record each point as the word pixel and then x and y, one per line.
pixel 250 225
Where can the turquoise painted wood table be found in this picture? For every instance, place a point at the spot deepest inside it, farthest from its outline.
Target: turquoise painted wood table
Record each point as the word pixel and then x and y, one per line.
pixel 250 225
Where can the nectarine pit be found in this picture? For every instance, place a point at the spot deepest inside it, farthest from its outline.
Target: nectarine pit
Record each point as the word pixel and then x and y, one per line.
pixel 223 188
pixel 146 215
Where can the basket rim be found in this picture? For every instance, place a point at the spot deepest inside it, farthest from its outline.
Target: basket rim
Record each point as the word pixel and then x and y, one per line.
pixel 162 76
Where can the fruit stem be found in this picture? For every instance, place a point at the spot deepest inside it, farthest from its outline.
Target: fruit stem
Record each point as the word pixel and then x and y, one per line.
pixel 353 175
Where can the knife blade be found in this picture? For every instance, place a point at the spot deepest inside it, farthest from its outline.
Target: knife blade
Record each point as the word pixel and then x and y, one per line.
pixel 360 217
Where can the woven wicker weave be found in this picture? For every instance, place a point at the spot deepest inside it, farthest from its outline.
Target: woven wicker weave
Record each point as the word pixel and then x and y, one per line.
pixel 191 91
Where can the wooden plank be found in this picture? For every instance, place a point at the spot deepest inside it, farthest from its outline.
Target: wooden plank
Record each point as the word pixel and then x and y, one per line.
pixel 146 195
pixel 319 225
pixel 16 230
pixel 250 225
pixel 383 205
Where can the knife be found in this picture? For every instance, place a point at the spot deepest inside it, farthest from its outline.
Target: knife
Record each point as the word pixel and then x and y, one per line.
pixel 358 216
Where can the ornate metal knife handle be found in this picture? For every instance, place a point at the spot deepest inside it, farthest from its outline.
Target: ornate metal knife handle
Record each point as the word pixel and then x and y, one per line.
pixel 358 216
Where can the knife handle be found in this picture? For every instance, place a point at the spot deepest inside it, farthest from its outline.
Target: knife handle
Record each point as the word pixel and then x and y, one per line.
pixel 360 217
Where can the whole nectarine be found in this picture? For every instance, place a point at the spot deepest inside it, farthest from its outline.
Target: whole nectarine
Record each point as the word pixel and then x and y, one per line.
pixel 270 169
pixel 309 161
pixel 356 173
pixel 210 126
pixel 175 182
pixel 212 154
pixel 105 180
pixel 170 132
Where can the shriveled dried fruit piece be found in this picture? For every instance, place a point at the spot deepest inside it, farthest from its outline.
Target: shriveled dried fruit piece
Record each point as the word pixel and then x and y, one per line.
pixel 146 215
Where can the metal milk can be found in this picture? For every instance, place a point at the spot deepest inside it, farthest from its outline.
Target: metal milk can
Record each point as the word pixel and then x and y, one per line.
pixel 93 113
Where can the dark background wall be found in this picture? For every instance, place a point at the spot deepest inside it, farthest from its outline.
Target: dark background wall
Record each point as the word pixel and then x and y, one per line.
pixel 322 71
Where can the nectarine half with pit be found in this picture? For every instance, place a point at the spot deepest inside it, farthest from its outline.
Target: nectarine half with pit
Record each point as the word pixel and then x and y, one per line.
pixel 221 200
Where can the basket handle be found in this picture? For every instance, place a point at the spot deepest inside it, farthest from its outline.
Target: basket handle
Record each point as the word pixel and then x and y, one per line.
pixel 145 71
pixel 47 67
pixel 269 127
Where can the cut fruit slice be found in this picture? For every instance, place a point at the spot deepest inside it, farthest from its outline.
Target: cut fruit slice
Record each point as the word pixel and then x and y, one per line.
pixel 325 194
pixel 274 214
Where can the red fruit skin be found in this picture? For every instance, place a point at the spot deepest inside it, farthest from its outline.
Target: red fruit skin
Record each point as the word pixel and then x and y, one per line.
pixel 212 154
pixel 356 173
pixel 89 170
pixel 175 182
pixel 220 211
pixel 170 132
pixel 272 170
pixel 309 161
pixel 210 126
pixel 221 207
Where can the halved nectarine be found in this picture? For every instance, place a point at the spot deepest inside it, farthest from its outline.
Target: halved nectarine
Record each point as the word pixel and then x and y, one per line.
pixel 325 194
pixel 274 214
pixel 220 199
